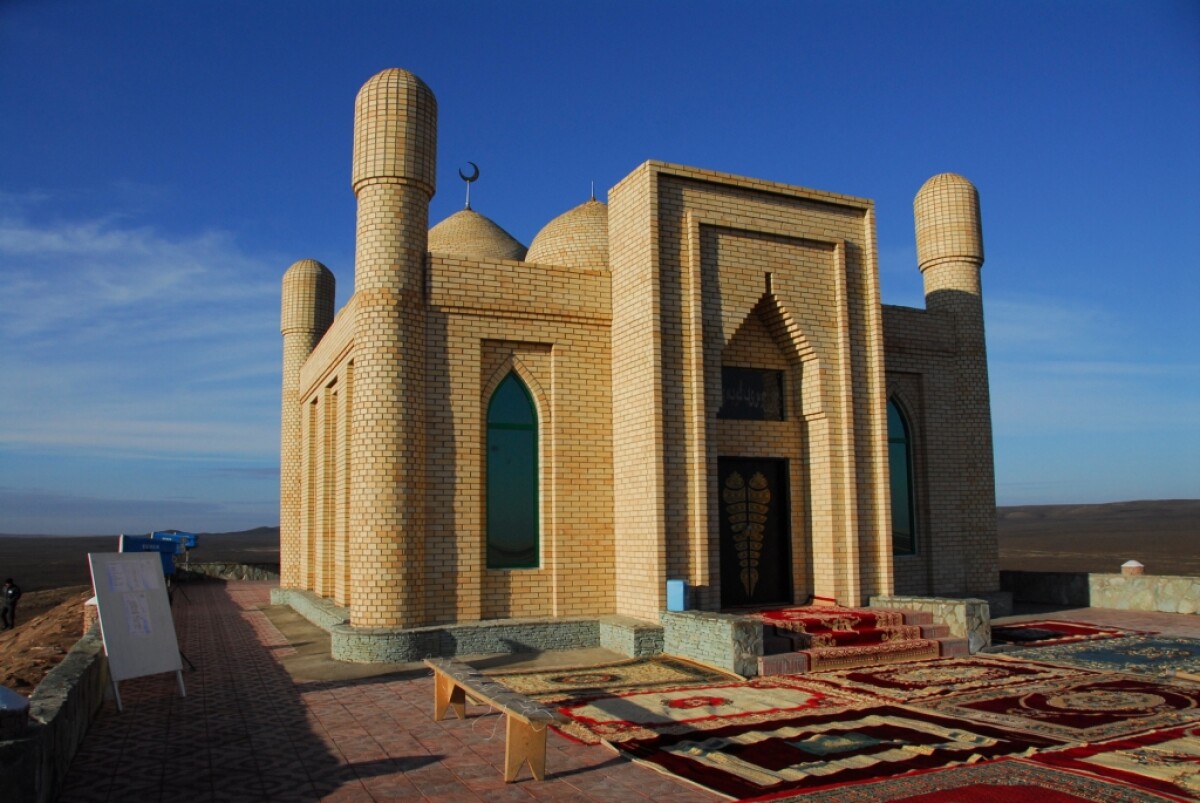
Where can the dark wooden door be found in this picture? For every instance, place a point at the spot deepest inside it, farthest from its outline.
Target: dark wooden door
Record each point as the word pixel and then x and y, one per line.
pixel 756 556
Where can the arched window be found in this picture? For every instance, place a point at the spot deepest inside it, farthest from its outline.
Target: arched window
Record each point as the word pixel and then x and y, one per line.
pixel 900 466
pixel 512 477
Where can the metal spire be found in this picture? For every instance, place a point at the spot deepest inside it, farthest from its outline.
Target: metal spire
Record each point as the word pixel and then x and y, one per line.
pixel 469 179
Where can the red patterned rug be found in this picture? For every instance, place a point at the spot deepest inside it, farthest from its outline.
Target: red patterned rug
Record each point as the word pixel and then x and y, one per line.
pixel 833 637
pixel 1084 709
pixel 1002 781
pixel 831 659
pixel 1165 761
pixel 810 619
pixel 1043 632
pixel 823 749
pixel 597 680
pixel 912 682
pixel 645 714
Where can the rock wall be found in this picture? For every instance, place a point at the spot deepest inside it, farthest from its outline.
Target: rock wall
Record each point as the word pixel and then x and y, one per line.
pixel 721 640
pixel 61 708
pixel 1145 593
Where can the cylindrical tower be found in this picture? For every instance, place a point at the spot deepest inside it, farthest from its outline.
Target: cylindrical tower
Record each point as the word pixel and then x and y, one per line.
pixel 950 255
pixel 308 300
pixel 395 150
pixel 949 236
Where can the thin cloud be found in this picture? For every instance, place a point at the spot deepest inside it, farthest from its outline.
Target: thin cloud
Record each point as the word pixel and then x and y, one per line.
pixel 38 512
pixel 1048 326
pixel 133 341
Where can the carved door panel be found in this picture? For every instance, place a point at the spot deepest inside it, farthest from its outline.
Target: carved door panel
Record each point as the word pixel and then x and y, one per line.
pixel 756 558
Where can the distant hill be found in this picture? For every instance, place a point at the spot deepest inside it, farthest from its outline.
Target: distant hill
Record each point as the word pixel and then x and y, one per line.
pixel 53 561
pixel 1163 535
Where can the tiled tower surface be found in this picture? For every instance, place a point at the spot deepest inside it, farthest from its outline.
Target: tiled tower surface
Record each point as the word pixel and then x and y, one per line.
pixel 950 255
pixel 307 312
pixel 395 154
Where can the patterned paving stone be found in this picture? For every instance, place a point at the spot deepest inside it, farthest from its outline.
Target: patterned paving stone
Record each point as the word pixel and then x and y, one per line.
pixel 247 732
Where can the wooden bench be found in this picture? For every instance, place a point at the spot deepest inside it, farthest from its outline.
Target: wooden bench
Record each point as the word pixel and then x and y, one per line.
pixel 526 720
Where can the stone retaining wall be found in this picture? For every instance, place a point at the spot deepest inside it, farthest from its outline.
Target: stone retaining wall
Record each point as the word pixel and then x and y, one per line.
pixel 629 636
pixel 228 571
pixel 61 708
pixel 1165 593
pixel 1145 593
pixel 720 640
pixel 1069 589
pixel 370 644
pixel 966 618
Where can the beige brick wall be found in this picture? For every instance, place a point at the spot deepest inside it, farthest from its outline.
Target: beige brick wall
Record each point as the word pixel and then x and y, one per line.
pixel 718 238
pixel 383 475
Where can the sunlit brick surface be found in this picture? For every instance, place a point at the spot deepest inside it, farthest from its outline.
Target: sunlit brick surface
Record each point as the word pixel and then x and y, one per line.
pixel 619 322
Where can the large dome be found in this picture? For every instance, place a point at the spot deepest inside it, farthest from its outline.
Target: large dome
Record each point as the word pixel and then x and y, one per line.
pixel 470 234
pixel 575 239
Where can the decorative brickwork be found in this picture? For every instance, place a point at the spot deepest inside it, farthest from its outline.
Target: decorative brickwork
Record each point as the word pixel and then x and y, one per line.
pixel 620 322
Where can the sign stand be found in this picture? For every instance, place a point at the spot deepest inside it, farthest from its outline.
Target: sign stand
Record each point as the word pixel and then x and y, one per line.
pixel 135 617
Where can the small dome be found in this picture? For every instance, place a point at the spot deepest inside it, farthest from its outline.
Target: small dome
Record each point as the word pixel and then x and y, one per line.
pixel 470 234
pixel 944 181
pixel 946 212
pixel 574 239
pixel 308 294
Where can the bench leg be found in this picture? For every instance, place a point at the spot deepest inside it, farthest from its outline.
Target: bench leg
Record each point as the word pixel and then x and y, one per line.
pixel 523 742
pixel 447 693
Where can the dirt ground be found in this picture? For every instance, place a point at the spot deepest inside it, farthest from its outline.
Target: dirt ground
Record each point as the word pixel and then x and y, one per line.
pixel 53 571
pixel 1164 536
pixel 49 622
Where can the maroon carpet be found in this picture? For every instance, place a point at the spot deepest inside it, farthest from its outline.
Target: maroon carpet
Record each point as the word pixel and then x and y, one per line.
pixel 825 749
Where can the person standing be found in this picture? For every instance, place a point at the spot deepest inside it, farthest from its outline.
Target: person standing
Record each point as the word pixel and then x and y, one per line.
pixel 12 593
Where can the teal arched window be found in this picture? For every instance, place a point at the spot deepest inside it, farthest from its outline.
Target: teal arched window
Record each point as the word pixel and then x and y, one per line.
pixel 512 477
pixel 900 467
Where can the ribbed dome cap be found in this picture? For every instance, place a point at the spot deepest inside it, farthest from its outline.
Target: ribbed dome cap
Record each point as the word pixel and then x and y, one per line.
pixel 470 234
pixel 946 211
pixel 575 239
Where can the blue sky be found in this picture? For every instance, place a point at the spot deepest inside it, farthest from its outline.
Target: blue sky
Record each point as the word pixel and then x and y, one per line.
pixel 161 164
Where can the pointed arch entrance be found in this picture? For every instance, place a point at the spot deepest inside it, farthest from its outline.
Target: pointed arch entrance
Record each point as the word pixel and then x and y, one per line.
pixel 766 384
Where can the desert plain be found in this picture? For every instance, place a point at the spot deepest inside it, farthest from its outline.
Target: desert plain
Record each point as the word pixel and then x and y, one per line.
pixel 53 571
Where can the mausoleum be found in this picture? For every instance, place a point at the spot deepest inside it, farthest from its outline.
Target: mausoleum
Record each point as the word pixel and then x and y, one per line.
pixel 696 380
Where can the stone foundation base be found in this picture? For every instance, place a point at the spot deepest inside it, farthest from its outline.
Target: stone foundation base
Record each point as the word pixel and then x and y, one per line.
pixel 623 634
pixel 720 640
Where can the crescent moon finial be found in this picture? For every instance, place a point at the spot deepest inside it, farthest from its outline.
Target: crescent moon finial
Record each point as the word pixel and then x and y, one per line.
pixel 469 179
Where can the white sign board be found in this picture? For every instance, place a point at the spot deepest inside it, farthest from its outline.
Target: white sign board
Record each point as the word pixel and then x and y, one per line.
pixel 135 615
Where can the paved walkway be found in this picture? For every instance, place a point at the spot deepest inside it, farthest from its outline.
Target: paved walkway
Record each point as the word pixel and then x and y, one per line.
pixel 268 716
pixel 248 731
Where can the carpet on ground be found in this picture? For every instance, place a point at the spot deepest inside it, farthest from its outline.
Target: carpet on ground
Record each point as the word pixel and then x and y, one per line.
pixel 918 681
pixel 1044 632
pixel 1166 761
pixel 823 749
pixel 822 618
pixel 1155 655
pixel 1084 709
pixel 832 659
pixel 1002 781
pixel 554 685
pixel 645 714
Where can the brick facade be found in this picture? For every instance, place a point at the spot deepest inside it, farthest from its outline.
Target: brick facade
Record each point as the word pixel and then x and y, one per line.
pixel 619 324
